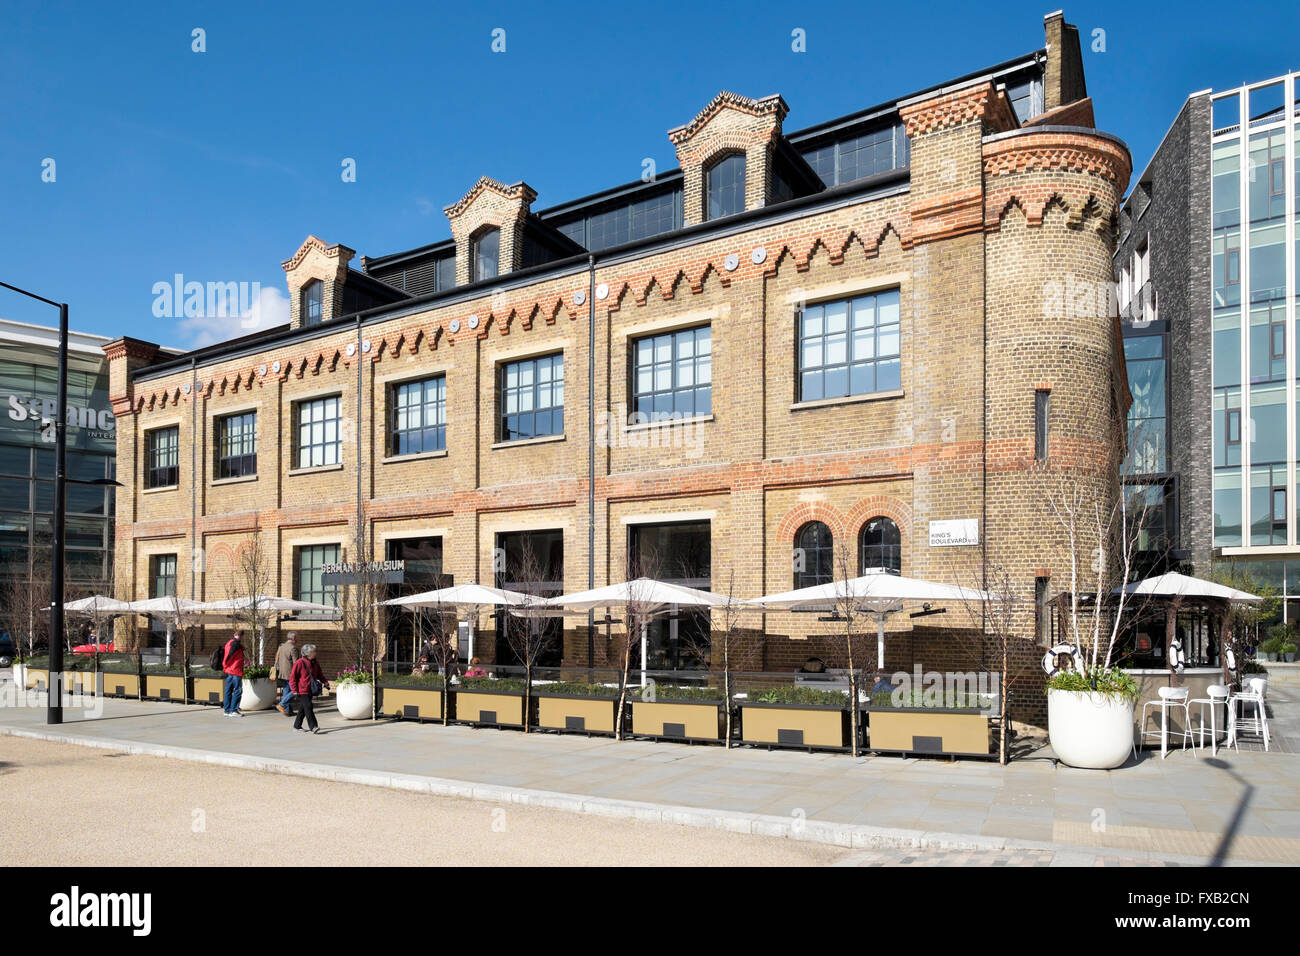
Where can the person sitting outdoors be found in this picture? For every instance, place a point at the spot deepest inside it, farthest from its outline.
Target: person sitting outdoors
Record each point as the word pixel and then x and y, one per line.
pixel 475 670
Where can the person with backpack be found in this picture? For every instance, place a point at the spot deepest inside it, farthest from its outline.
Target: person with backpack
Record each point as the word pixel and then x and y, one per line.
pixel 232 665
pixel 306 680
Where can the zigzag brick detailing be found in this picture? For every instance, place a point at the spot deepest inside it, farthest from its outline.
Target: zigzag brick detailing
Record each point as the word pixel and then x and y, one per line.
pixel 979 235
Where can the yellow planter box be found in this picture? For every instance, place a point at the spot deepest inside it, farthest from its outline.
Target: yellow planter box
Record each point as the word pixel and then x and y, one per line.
pixel 678 720
pixel 585 715
pixel 414 703
pixel 792 725
pixel 164 687
pixel 207 690
pixel 505 708
pixel 120 685
pixel 915 731
pixel 39 679
pixel 82 682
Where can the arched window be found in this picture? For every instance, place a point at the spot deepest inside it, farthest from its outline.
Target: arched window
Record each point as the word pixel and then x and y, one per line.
pixel 309 302
pixel 814 555
pixel 725 186
pixel 485 254
pixel 881 546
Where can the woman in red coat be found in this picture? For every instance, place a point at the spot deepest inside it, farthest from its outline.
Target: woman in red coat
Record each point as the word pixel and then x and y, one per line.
pixel 306 680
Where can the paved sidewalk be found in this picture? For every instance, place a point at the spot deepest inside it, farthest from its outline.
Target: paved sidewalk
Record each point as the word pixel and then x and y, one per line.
pixel 1236 808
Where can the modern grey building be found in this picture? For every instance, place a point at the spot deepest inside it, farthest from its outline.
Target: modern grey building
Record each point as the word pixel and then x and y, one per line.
pixel 1206 272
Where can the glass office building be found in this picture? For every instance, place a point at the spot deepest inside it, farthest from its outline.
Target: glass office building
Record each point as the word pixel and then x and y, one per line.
pixel 28 385
pixel 1255 172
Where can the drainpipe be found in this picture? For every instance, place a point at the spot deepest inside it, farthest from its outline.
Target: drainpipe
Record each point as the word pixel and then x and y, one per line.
pixel 591 459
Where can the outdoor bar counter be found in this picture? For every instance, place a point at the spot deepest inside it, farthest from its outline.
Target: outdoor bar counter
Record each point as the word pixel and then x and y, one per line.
pixel 1195 679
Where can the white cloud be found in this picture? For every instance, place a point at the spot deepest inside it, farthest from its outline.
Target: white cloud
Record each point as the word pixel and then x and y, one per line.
pixel 271 308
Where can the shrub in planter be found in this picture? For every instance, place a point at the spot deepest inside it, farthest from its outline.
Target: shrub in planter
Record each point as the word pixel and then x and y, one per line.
pixel 500 684
pixel 575 689
pixel 1288 651
pixel 1090 717
pixel 711 695
pixel 259 690
pixel 354 693
pixel 803 696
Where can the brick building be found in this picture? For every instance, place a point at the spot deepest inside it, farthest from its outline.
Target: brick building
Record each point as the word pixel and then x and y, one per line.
pixel 798 341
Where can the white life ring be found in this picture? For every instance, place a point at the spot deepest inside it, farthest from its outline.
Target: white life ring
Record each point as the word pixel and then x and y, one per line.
pixel 1051 657
pixel 1232 660
pixel 1176 660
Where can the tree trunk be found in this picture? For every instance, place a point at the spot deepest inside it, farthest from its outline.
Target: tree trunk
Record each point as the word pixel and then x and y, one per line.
pixel 528 695
pixel 1003 694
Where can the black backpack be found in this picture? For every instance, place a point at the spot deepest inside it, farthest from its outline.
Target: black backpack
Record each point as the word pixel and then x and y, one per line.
pixel 218 659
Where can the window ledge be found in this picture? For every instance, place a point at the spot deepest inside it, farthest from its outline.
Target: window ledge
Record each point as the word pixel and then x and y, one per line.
pixel 316 470
pixel 847 400
pixel 668 423
pixel 155 491
pixel 541 440
pixel 422 456
pixel 233 481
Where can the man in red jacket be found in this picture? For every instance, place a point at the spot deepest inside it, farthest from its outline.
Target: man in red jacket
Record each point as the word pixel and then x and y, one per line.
pixel 234 671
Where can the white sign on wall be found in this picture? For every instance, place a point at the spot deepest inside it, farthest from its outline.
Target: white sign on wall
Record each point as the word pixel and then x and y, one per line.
pixel 949 534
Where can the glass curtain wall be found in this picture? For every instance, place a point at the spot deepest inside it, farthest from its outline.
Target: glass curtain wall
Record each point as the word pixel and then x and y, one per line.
pixel 1254 335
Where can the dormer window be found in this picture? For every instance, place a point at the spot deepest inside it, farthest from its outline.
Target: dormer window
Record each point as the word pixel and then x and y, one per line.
pixel 485 254
pixel 310 303
pixel 725 184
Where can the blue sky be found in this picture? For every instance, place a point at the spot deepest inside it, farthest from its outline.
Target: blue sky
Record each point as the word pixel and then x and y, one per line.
pixel 216 165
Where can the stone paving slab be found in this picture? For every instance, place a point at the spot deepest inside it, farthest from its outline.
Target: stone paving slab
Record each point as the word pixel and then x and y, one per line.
pixel 1239 808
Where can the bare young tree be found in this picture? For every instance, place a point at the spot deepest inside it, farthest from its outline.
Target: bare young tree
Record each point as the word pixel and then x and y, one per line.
pixel 525 625
pixel 1101 536
pixel 436 625
pixel 730 647
pixel 849 615
pixel 360 616
pixel 637 615
pixel 250 577
pixel 24 595
pixel 995 621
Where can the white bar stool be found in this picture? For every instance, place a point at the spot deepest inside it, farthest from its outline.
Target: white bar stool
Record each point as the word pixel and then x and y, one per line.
pixel 1171 698
pixel 1252 696
pixel 1218 697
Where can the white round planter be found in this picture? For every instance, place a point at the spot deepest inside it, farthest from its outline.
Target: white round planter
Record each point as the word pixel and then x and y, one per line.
pixel 354 701
pixel 1090 730
pixel 258 694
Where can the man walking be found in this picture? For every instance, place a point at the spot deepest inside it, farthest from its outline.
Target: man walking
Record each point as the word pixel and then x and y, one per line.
pixel 233 667
pixel 284 658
